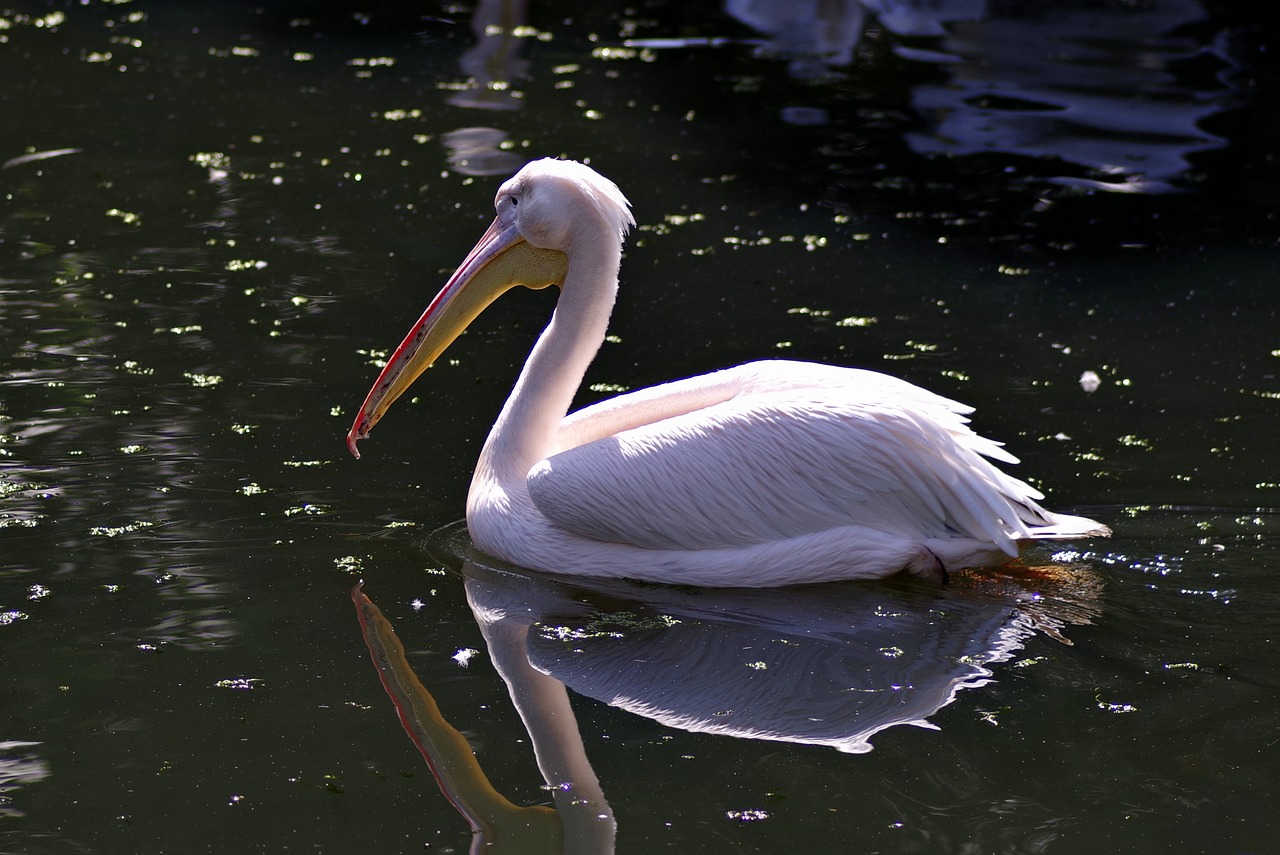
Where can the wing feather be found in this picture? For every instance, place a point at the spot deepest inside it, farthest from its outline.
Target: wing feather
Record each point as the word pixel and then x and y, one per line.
pixel 795 449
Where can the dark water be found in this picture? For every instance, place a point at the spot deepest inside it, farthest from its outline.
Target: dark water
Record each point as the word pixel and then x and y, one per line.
pixel 216 218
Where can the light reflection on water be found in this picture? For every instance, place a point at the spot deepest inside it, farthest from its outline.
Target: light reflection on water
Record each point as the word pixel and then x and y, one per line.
pixel 208 214
pixel 1057 83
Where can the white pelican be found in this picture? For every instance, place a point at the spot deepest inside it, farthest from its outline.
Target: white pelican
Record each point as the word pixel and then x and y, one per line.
pixel 769 473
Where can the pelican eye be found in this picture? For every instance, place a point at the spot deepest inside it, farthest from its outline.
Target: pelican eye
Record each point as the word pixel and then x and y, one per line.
pixel 507 202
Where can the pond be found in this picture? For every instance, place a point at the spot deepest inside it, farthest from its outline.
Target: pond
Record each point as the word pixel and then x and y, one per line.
pixel 217 219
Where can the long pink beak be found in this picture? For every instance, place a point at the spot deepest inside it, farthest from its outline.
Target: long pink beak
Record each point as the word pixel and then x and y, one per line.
pixel 500 260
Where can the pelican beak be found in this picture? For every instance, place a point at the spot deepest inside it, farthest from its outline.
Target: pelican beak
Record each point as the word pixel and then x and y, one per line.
pixel 500 261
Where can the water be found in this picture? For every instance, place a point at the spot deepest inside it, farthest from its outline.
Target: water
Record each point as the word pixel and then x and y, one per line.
pixel 215 218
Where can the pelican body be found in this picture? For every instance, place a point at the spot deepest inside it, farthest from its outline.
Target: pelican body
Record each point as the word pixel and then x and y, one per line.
pixel 769 473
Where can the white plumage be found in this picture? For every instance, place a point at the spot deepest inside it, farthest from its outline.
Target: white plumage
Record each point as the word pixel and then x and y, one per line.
pixel 768 473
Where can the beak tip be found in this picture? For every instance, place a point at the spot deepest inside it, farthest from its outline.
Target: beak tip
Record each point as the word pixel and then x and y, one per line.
pixel 353 437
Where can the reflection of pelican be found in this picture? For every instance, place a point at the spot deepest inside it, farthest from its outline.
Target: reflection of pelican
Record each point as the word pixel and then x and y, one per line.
pixel 494 62
pixel 825 665
pixel 817 35
pixel 1103 87
pixel 581 821
pixel 813 34
pixel 1118 89
pixel 769 473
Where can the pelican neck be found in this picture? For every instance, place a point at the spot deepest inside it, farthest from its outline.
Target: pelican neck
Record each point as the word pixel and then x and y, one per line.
pixel 526 427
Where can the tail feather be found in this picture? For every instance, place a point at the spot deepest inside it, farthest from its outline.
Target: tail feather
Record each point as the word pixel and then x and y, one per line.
pixel 1067 527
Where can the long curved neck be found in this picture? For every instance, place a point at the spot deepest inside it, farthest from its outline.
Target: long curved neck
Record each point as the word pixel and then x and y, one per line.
pixel 542 395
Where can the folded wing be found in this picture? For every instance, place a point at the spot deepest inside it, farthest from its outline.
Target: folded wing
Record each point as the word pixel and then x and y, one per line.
pixel 782 455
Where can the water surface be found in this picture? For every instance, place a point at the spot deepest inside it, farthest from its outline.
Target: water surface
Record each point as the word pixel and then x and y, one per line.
pixel 216 219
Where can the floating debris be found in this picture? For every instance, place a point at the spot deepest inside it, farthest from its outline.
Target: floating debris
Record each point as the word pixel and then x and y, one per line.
pixel 37 156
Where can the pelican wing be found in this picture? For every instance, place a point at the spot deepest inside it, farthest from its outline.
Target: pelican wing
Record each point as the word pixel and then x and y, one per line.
pixel 793 449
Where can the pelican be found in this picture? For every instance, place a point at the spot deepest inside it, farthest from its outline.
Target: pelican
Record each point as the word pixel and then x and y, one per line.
pixel 769 473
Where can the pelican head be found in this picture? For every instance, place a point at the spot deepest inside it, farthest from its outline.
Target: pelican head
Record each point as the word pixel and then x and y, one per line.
pixel 543 211
pixel 554 203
